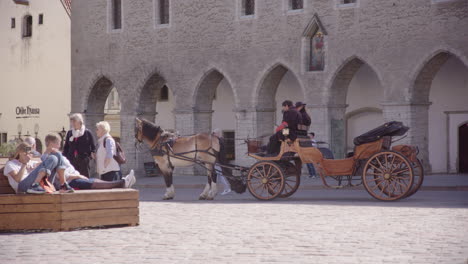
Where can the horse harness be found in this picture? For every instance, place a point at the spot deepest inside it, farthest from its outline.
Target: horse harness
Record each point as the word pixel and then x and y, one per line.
pixel 165 147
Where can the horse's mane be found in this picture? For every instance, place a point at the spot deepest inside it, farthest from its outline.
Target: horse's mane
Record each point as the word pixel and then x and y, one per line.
pixel 149 129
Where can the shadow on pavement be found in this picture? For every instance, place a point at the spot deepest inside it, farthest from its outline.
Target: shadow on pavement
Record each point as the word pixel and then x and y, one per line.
pixel 422 199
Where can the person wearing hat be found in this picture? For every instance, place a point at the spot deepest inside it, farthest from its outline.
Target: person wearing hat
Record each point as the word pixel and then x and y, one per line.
pixel 305 123
pixel 291 119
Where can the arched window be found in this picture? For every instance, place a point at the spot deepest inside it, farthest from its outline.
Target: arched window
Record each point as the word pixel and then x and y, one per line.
pixel 27 26
pixel 164 94
pixel 317 52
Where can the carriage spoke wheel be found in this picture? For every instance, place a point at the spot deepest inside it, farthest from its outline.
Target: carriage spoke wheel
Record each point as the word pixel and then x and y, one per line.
pixel 418 172
pixel 388 176
pixel 292 178
pixel 265 180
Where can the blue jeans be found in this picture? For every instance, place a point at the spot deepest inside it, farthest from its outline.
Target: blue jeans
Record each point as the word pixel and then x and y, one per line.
pixel 311 168
pixel 53 162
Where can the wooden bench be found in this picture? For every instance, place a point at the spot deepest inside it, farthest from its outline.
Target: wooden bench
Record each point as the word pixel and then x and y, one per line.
pixel 66 211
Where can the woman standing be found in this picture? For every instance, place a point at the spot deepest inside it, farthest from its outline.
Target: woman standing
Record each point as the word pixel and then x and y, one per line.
pixel 80 146
pixel 107 167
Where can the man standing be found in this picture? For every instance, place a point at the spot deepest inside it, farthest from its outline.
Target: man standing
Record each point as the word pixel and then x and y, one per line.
pixel 291 119
pixel 218 170
pixel 310 166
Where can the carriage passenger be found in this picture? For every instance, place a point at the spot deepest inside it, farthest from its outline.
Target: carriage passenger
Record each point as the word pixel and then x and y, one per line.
pixel 303 127
pixel 291 119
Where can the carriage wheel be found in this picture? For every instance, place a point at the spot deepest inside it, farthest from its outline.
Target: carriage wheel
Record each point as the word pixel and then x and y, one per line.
pixel 292 179
pixel 388 176
pixel 265 180
pixel 418 177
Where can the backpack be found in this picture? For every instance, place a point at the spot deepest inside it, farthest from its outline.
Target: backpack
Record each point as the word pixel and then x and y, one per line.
pixel 120 154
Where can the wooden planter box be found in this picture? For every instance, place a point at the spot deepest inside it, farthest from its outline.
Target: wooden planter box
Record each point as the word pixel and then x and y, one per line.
pixel 66 211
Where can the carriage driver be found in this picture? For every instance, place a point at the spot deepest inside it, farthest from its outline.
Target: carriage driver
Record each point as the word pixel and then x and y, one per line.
pixel 291 119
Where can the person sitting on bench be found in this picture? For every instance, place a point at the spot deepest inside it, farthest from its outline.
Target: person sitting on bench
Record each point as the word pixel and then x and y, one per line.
pixel 291 119
pixel 25 174
pixel 82 182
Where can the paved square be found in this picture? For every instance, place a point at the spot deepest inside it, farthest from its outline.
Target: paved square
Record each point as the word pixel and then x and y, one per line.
pixel 314 226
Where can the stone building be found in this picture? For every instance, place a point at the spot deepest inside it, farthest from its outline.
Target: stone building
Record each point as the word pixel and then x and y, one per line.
pixel 34 68
pixel 192 65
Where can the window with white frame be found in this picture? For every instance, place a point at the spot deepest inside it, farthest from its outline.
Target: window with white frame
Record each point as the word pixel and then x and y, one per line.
pixel 163 12
pixel 3 138
pixel 346 3
pixel 295 4
pixel 248 8
pixel 116 14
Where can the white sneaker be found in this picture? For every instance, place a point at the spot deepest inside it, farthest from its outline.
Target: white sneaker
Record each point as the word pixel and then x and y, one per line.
pixel 130 179
pixel 227 191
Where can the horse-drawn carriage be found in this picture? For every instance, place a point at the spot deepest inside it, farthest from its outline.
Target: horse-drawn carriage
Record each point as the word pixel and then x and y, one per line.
pixel 387 172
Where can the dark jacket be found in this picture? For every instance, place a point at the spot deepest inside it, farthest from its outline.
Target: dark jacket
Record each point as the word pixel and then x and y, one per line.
pixel 84 145
pixel 293 118
pixel 305 118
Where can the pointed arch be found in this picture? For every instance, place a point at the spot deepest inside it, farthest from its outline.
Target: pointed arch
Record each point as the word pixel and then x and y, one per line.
pixel 342 78
pixel 426 71
pixel 265 92
pixel 314 25
pixel 205 89
pixel 149 94
pixel 265 96
pixel 98 94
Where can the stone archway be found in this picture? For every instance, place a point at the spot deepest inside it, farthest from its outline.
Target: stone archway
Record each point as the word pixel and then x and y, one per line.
pixel 439 93
pixel 278 84
pixel 94 111
pixel 356 85
pixel 154 94
pixel 213 107
pixel 96 104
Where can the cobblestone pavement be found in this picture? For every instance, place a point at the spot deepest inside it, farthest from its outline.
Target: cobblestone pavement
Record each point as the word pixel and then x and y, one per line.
pixel 321 226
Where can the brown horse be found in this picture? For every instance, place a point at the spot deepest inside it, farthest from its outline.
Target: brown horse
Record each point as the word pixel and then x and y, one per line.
pixel 170 151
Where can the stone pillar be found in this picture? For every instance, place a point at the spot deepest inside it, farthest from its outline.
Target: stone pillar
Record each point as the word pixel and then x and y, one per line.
pixel 202 120
pixel 328 123
pixel 245 129
pixel 184 125
pixel 135 158
pixel 416 117
pixel 264 122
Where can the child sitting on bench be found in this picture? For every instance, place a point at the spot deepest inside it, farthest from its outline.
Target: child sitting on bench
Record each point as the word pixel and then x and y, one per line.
pixel 77 181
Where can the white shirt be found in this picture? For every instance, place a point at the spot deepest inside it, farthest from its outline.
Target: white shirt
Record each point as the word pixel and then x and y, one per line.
pixel 15 166
pixel 103 153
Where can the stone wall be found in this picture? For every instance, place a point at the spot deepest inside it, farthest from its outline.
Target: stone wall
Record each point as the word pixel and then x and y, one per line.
pixel 397 39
